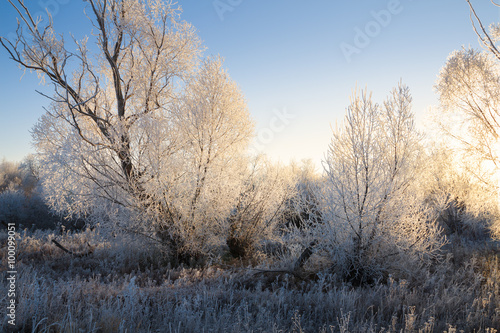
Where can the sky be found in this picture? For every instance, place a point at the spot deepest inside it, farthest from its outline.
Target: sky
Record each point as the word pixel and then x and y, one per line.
pixel 296 62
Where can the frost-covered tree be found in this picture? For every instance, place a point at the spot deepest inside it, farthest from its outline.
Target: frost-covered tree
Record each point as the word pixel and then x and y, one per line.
pixel 469 90
pixel 372 220
pixel 138 127
pixel 202 183
pixel 260 207
pixel 489 38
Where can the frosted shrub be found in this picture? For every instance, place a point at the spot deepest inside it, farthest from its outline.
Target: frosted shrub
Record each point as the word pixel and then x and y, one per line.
pixel 373 222
pixel 303 206
pixel 27 212
pixel 18 176
pixel 12 205
pixel 461 203
pixel 260 207
pixel 21 198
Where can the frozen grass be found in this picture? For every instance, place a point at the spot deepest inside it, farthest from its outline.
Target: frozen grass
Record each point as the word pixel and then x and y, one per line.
pixel 132 289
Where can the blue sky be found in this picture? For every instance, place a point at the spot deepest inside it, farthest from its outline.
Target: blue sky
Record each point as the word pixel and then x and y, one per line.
pixel 289 58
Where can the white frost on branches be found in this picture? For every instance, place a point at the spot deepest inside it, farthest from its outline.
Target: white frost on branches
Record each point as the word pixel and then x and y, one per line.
pixel 141 132
pixel 469 90
pixel 372 218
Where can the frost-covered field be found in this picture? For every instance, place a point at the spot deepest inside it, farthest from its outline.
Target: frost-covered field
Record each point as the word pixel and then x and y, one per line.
pixel 160 217
pixel 131 288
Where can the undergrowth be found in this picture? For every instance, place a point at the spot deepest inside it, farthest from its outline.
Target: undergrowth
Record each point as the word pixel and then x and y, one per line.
pixel 127 287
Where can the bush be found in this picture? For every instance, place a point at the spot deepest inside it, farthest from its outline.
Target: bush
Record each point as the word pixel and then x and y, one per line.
pixel 260 208
pixel 22 202
pixel 125 287
pixel 373 221
pixel 461 203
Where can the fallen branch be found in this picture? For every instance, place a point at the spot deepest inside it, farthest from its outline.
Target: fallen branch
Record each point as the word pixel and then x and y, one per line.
pixel 306 254
pixel 297 271
pixel 78 255
pixel 294 273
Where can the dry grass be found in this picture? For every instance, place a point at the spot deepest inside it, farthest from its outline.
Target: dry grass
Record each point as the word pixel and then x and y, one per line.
pixel 132 289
